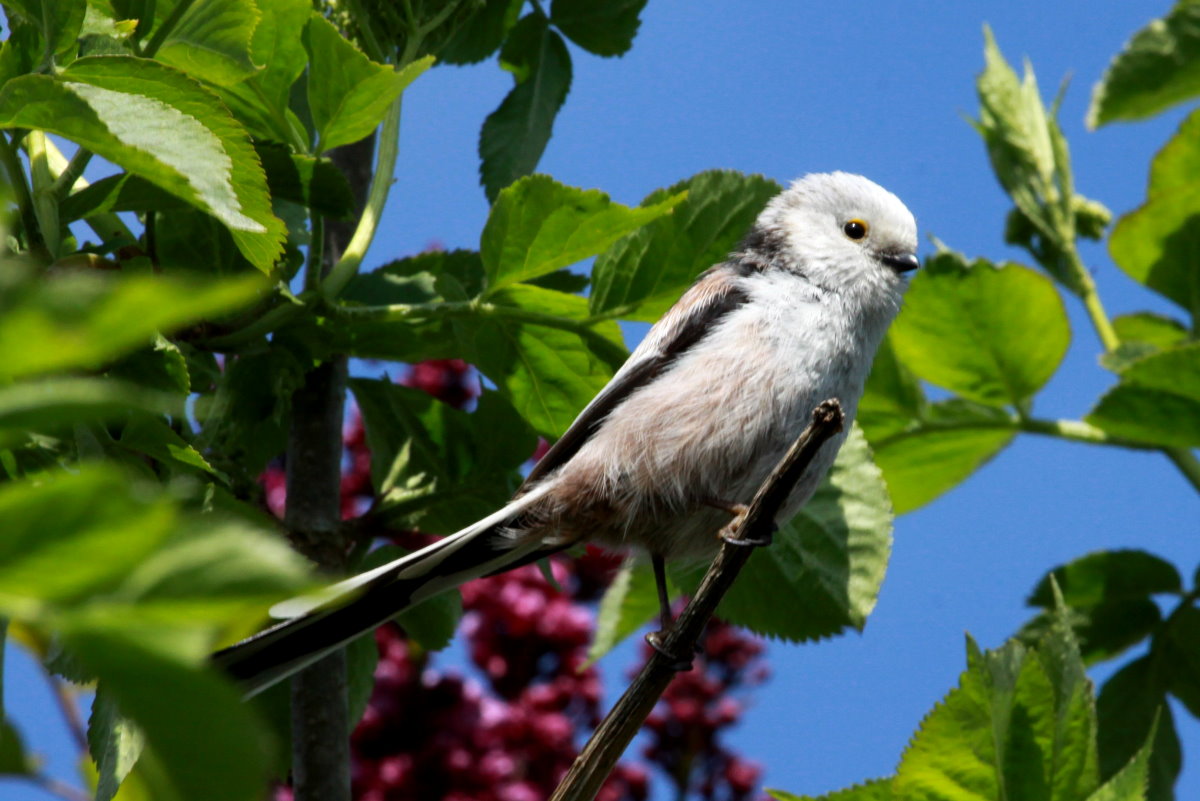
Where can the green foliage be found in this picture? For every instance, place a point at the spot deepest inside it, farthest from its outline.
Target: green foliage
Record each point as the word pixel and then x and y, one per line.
pixel 603 27
pixel 1022 723
pixel 514 136
pixel 1157 401
pixel 642 274
pixel 1152 243
pixel 993 335
pixel 1158 67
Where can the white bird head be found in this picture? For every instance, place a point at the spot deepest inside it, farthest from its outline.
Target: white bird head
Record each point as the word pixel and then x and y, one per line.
pixel 843 232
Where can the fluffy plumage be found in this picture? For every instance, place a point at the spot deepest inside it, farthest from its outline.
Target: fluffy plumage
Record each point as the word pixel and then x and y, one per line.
pixel 696 418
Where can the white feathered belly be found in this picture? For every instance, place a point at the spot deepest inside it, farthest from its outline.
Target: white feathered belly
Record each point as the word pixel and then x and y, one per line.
pixel 712 427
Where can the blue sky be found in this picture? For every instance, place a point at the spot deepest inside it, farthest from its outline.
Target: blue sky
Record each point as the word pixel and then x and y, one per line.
pixel 785 88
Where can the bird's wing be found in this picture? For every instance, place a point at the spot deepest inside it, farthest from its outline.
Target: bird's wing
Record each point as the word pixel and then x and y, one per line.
pixel 715 294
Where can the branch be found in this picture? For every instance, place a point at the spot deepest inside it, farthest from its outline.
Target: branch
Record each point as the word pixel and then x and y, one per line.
pixel 618 728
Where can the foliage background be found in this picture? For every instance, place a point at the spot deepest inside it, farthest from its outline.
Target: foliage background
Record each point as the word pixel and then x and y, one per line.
pixel 880 88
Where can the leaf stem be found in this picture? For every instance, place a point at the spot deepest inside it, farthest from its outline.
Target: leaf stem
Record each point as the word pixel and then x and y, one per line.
pixel 368 223
pixel 1072 430
pixel 106 225
pixel 164 30
pixel 45 204
pixel 1091 301
pixel 1187 463
pixel 20 184
pixel 67 178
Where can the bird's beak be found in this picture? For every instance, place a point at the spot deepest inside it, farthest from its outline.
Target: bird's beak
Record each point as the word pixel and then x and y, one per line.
pixel 900 262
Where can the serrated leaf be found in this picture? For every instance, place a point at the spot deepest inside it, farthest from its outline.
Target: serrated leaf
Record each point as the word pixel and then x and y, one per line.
pixel 1153 243
pixel 543 353
pixel 1104 630
pixel 1157 68
pixel 829 560
pixel 115 745
pixel 261 101
pixel 1108 576
pixel 152 437
pixel 923 458
pixel 514 136
pixel 646 272
pixel 603 27
pixel 991 334
pixel 162 367
pixel 1019 725
pixel 1157 401
pixel 123 192
pixel 348 94
pixel 482 34
pixel 83 320
pixel 433 463
pixel 211 41
pixel 629 601
pixel 1128 705
pixel 537 226
pixel 154 121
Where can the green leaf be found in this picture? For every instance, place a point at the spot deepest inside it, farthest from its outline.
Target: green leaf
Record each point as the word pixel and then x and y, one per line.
pixel 991 334
pixel 644 273
pixel 156 680
pixel 348 94
pixel 14 761
pixel 1108 576
pixel 603 27
pixel 1104 630
pixel 211 41
pixel 1157 401
pixel 921 464
pixel 308 181
pixel 1019 725
pixel 68 535
pixel 482 34
pixel 123 192
pixel 152 437
pixel 1150 329
pixel 543 353
pixel 1181 656
pixel 874 790
pixel 829 560
pixel 431 623
pixel 49 405
pixel 537 226
pixel 514 136
pixel 1128 706
pixel 1131 782
pixel 1157 68
pixel 162 367
pixel 115 744
pixel 119 107
pixel 362 657
pixel 1154 244
pixel 86 319
pixel 261 101
pixel 436 464
pixel 58 21
pixel 630 600
pixel 892 400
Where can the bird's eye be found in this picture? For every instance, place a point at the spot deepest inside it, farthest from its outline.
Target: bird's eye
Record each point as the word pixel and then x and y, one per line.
pixel 855 229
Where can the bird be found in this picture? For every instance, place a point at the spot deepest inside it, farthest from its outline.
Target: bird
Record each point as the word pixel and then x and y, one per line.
pixel 684 433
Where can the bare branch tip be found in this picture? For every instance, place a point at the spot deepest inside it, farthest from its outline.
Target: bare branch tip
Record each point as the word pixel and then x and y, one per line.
pixel 829 413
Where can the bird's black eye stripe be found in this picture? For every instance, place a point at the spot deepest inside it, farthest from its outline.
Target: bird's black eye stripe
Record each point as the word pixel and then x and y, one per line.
pixel 855 229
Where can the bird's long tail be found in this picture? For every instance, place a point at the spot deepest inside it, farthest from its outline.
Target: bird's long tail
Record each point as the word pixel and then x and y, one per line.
pixel 317 625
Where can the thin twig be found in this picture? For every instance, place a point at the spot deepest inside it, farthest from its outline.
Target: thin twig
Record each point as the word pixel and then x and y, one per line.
pixel 618 728
pixel 54 787
pixel 70 712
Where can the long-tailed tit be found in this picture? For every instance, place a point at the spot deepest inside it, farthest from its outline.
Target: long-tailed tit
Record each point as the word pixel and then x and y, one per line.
pixel 686 430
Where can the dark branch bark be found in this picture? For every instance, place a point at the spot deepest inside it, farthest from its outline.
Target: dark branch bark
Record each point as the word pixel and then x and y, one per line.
pixel 320 728
pixel 618 728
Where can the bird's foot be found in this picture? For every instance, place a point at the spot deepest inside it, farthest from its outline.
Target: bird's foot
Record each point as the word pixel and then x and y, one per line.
pixel 727 535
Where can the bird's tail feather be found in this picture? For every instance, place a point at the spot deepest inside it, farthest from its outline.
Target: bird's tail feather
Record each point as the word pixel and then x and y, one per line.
pixel 316 625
